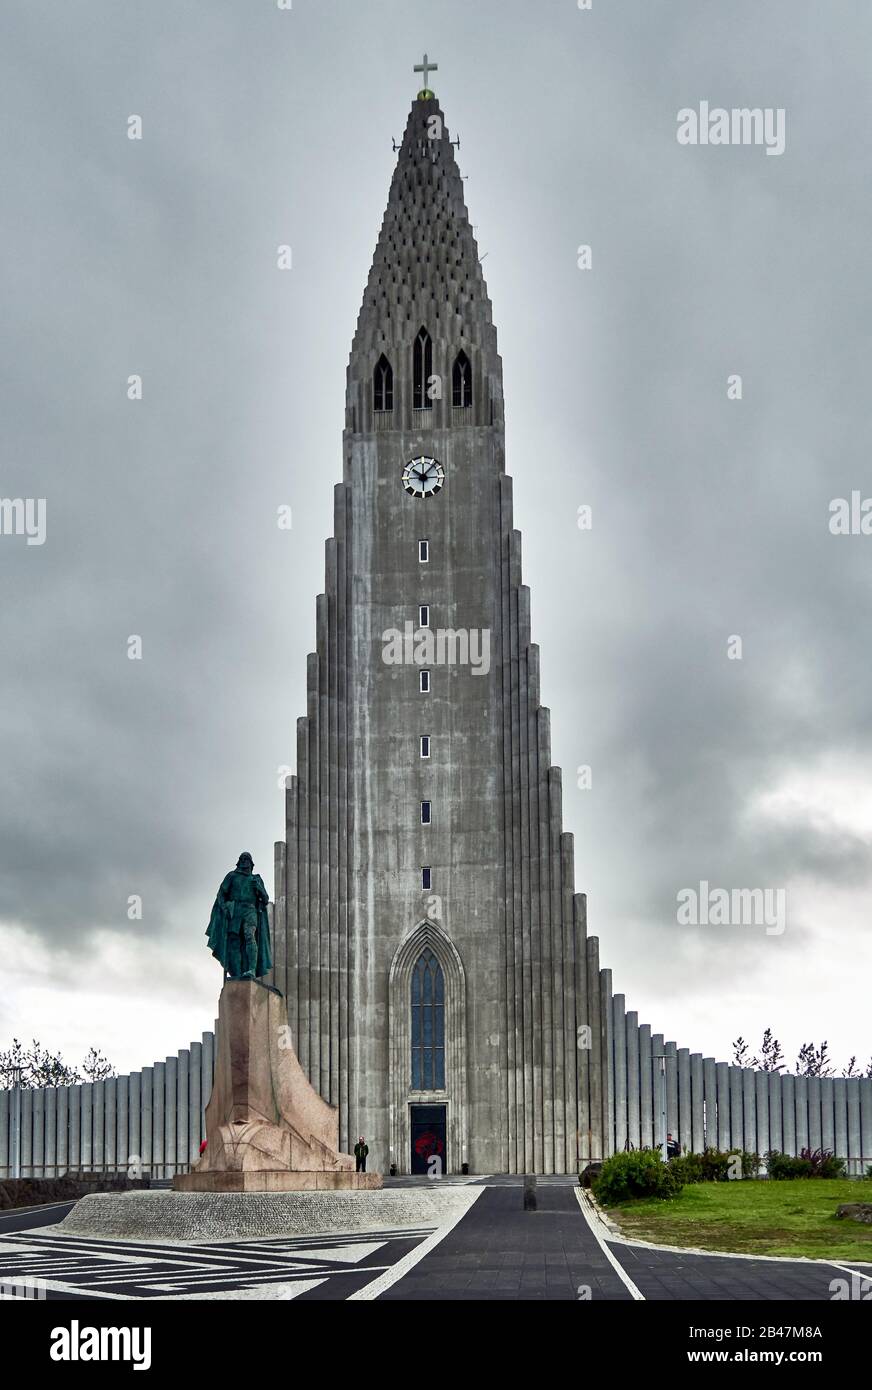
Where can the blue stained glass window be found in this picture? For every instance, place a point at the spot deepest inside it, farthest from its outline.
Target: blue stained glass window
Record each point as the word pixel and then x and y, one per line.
pixel 428 1024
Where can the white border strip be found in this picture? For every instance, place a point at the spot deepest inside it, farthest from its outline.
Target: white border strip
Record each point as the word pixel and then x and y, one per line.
pixel 401 1268
pixel 612 1259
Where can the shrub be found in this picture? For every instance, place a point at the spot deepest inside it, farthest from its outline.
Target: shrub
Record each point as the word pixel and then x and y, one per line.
pixel 715 1165
pixel 782 1166
pixel 639 1173
pixel 688 1168
pixel 824 1163
pixel 811 1163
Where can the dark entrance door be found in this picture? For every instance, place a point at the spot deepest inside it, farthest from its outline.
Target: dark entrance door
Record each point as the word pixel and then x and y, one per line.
pixel 428 1139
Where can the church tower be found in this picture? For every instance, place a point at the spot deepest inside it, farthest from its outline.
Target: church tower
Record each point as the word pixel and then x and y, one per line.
pixel 441 988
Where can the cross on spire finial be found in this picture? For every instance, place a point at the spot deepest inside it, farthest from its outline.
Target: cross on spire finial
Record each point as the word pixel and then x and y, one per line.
pixel 426 68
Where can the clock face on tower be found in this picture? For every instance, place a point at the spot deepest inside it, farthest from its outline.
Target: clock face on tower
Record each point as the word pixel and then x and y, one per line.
pixel 423 477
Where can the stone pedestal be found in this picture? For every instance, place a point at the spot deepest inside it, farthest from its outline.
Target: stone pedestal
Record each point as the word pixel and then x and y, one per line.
pixel 267 1129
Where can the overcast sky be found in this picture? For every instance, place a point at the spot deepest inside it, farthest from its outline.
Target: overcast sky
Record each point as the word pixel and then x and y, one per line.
pixel 157 257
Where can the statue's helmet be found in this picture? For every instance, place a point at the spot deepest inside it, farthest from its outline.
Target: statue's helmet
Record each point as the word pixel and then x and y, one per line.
pixel 245 858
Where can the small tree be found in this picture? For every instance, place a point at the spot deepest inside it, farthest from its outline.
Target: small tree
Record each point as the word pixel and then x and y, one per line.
pixel 814 1061
pixel 96 1067
pixel 37 1067
pixel 740 1053
pixel 771 1056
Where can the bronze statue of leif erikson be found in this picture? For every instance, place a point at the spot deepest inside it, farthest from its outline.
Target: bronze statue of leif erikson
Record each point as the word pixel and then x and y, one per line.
pixel 238 930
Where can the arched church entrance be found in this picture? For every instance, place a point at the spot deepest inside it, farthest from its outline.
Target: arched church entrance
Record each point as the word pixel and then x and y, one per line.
pixel 428 1089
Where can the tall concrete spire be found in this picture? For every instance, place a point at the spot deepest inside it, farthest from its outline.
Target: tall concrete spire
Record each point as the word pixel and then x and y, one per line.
pixel 425 271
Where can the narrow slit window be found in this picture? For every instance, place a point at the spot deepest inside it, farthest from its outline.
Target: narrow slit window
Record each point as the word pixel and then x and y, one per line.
pixel 424 615
pixel 425 745
pixel 426 813
pixel 426 877
pixel 424 684
pixel 423 552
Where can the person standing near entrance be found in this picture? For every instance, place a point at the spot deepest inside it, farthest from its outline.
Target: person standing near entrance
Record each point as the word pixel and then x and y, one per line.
pixel 361 1149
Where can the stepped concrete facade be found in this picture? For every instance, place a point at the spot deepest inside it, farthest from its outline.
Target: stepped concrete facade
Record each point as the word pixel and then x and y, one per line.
pixel 443 992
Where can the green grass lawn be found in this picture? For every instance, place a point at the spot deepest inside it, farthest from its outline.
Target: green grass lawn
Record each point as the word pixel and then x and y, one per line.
pixel 756 1218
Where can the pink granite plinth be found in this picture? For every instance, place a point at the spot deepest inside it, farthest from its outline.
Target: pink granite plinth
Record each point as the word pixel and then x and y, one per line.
pixel 267 1129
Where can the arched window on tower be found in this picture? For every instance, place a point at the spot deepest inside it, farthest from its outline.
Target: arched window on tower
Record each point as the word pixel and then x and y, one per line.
pixel 422 370
pixel 428 1024
pixel 462 380
pixel 383 384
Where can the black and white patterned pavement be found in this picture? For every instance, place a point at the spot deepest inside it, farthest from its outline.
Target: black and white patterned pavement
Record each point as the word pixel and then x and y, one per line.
pixel 497 1251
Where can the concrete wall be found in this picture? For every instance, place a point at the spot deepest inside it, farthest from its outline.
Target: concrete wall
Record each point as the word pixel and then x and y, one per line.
pixel 711 1103
pixel 151 1121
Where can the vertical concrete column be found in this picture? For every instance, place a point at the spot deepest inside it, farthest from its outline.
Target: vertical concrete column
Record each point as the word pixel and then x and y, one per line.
pixel 776 1112
pixel 710 1095
pixel 195 1077
pixel 26 1144
pixel 854 1141
pixel 5 1157
pixel 74 1157
pixel 98 1112
pixel 749 1108
pixel 865 1088
pixel 565 1114
pixel 788 1116
pixel 582 1016
pixel 633 1106
pixel 111 1122
pixel 146 1124
pixel 50 1161
pixel 62 1147
pixel 278 976
pixel 840 1117
pixel 87 1143
pixel 134 1120
pixel 828 1115
pixel 171 1076
pixel 532 975
pixel 697 1104
pixel 38 1147
pixel 609 1064
pixel 597 1061
pixel 158 1118
pixel 182 1087
pixel 800 1110
pixel 646 1088
pixel 671 1051
pixel 333 849
pixel 722 1071
pixel 208 1072
pixel 737 1131
pixel 122 1124
pixel 619 1034
pixel 301 1038
pixel 685 1104
pixel 814 1112
pixel 761 1082
pixel 514 988
pixel 658 1047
